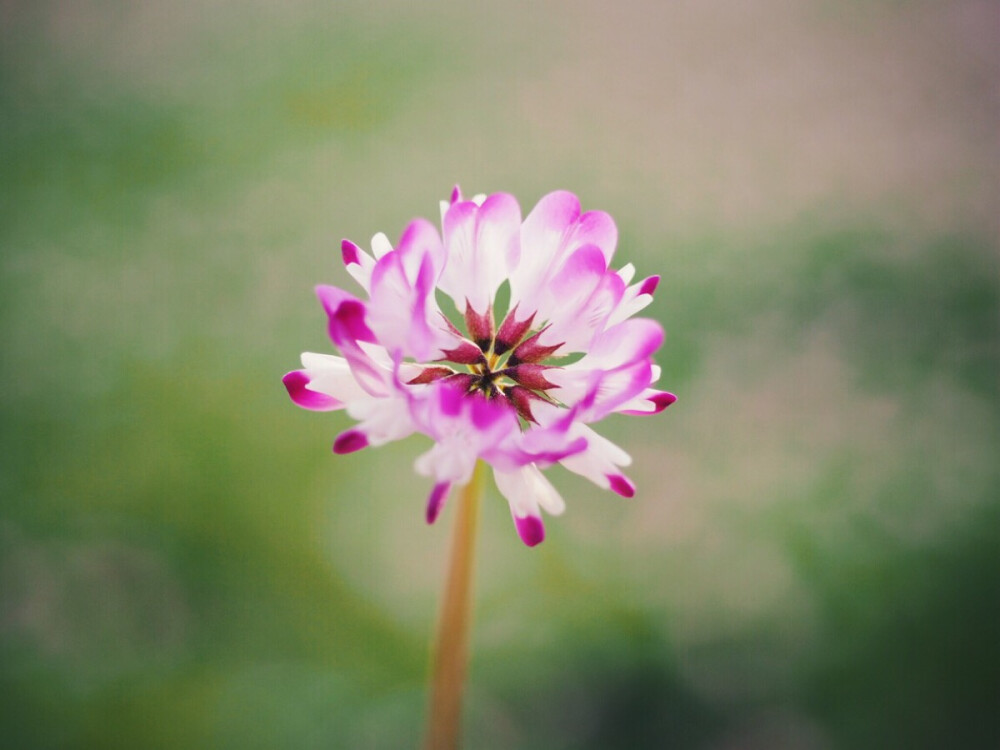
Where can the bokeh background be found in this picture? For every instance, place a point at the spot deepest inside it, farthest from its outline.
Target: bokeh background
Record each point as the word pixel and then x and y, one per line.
pixel 813 557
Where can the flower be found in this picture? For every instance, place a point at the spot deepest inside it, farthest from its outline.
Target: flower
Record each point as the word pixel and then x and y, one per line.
pixel 520 395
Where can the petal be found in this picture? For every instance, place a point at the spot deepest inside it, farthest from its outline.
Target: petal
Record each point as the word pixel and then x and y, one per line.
pixel 402 311
pixel 542 236
pixel 448 460
pixel 380 245
pixel 584 313
pixel 621 484
pixel 649 401
pixel 597 393
pixel 297 382
pixel 482 243
pixel 436 500
pixel 350 441
pixel 527 489
pixel 622 345
pixel 635 298
pixel 530 529
pixel 332 376
pixel 595 228
pixel 381 420
pixel 464 427
pixel 421 238
pixel 348 329
pixel 601 462
pixel 548 221
pixel 349 326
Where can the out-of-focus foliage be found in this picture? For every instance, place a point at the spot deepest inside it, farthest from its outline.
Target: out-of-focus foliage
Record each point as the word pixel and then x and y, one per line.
pixel 812 559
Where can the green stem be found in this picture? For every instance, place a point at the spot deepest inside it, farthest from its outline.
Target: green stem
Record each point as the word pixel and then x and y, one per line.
pixel 451 645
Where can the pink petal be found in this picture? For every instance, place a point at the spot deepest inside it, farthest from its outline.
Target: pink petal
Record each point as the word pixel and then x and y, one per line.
pixel 530 529
pixel 346 313
pixel 421 238
pixel 655 402
pixel 600 462
pixel 402 305
pixel 481 243
pixel 621 484
pixel 625 343
pixel 595 228
pixel 349 442
pixel 436 500
pixel 296 382
pixel 350 252
pixel 548 220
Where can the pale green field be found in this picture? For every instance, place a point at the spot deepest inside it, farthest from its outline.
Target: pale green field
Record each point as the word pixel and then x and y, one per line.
pixel 813 557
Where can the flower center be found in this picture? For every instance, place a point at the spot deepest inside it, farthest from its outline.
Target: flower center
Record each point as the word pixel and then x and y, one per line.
pixel 503 364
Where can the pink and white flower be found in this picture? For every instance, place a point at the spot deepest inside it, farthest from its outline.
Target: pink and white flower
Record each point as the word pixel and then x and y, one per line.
pixel 520 395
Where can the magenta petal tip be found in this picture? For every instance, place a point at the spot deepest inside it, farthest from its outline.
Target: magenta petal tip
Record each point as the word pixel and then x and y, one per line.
pixel 295 380
pixel 349 442
pixel 296 383
pixel 530 529
pixel 662 400
pixel 349 252
pixel 622 485
pixel 649 285
pixel 436 500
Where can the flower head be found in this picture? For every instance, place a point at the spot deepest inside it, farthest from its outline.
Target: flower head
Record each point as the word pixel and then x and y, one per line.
pixel 519 394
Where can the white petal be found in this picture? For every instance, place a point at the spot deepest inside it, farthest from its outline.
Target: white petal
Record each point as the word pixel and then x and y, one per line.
pixel 332 376
pixel 526 489
pixel 381 245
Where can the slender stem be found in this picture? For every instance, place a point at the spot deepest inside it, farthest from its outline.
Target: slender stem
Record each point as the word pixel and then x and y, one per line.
pixel 451 645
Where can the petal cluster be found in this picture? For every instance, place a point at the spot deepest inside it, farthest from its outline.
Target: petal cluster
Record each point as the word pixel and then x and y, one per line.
pixel 518 387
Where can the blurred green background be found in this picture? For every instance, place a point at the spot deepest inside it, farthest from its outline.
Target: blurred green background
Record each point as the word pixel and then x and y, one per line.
pixel 813 557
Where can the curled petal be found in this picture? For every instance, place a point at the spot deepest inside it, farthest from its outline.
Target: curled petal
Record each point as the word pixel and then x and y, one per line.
pixel 650 401
pixel 297 383
pixel 403 312
pixel 348 329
